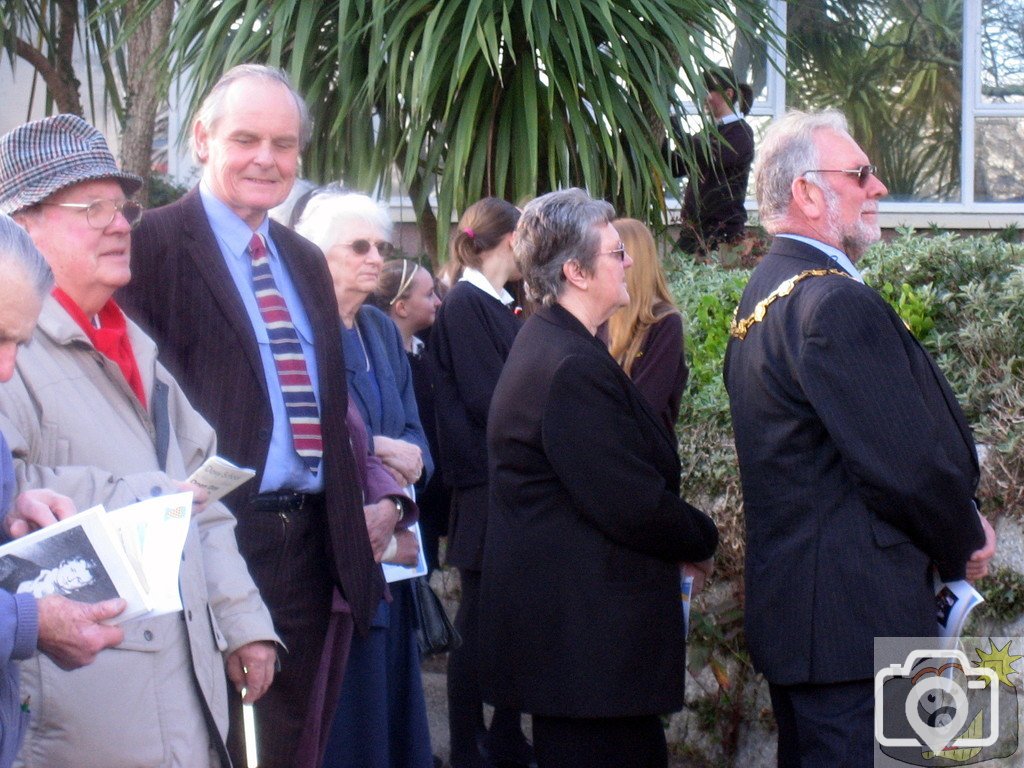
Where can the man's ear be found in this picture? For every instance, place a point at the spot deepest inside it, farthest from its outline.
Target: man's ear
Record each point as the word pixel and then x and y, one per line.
pixel 200 139
pixel 808 199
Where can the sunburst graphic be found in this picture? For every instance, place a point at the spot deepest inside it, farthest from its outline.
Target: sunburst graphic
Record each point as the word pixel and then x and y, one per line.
pixel 1000 661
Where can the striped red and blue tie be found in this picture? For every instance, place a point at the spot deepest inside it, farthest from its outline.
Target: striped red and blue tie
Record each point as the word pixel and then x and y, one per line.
pixel 299 401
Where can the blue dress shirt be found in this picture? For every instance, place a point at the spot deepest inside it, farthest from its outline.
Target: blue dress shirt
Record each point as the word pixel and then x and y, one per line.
pixel 284 469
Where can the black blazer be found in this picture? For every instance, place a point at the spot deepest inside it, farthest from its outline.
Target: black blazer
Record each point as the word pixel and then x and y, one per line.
pixel 580 609
pixel 858 471
pixel 713 203
pixel 182 294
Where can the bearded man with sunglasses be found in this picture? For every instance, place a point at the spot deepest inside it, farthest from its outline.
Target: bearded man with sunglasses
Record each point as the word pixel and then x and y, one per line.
pixel 245 315
pixel 857 465
pixel 91 414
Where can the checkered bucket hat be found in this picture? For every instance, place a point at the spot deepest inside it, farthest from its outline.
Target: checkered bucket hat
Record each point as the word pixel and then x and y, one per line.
pixel 45 156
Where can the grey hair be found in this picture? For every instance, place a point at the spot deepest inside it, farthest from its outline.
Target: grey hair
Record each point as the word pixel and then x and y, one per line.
pixel 212 108
pixel 787 151
pixel 555 229
pixel 17 251
pixel 329 211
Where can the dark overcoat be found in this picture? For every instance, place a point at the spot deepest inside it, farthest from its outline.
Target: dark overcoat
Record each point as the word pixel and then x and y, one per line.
pixel 580 606
pixel 858 471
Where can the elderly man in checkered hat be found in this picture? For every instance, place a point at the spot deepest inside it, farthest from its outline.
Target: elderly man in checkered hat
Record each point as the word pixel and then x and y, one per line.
pixel 91 414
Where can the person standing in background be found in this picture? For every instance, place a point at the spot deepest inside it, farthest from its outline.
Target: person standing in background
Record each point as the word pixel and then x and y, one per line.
pixel 646 337
pixel 713 205
pixel 475 327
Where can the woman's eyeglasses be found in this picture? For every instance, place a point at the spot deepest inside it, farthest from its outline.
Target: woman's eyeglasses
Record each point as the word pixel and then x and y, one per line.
pixel 100 213
pixel 863 172
pixel 362 247
pixel 619 253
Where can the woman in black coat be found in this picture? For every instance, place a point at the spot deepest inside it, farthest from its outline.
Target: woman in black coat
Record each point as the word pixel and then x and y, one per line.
pixel 581 620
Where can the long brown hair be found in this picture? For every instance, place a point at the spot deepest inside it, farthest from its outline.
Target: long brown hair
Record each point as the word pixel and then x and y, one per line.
pixel 649 299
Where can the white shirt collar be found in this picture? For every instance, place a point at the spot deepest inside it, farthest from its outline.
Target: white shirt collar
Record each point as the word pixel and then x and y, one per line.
pixel 833 253
pixel 476 278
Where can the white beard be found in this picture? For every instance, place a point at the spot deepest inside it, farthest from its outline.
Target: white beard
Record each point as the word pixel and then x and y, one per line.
pixel 855 238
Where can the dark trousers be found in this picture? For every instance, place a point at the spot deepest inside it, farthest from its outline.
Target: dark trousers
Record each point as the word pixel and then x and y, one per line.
pixel 825 726
pixel 616 742
pixel 287 557
pixel 465 700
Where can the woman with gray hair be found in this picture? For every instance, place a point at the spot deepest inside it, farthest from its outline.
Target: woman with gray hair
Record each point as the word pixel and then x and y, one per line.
pixel 581 619
pixel 381 720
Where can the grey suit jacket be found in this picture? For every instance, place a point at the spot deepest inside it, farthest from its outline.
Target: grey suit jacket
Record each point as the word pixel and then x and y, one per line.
pixel 858 471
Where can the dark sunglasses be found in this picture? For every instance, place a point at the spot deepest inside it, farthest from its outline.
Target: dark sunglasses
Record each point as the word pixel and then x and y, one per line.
pixel 863 173
pixel 362 247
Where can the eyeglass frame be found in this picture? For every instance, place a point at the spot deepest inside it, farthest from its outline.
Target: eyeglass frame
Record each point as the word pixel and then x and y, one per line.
pixel 117 208
pixel 620 252
pixel 362 246
pixel 863 172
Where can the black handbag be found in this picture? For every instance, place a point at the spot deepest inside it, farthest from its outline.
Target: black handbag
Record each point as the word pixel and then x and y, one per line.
pixel 434 630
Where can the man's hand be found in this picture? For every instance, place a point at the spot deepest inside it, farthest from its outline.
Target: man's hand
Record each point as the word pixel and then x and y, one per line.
pixel 37 509
pixel 402 459
pixel 71 634
pixel 381 519
pixel 700 573
pixel 407 550
pixel 977 566
pixel 252 667
pixel 199 496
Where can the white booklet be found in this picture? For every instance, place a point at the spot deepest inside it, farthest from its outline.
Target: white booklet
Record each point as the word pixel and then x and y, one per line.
pixel 219 477
pixel 133 553
pixel 954 600
pixel 394 572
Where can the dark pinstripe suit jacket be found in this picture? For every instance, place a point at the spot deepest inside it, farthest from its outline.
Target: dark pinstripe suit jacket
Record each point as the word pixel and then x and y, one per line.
pixel 858 471
pixel 183 295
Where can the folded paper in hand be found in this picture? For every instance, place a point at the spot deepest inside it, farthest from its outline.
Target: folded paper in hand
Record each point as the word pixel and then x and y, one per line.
pixel 219 477
pixel 133 553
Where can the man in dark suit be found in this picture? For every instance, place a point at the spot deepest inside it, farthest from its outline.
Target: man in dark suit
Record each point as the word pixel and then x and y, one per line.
pixel 300 524
pixel 857 464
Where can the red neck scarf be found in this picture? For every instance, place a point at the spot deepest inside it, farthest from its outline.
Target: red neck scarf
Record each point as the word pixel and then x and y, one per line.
pixel 111 338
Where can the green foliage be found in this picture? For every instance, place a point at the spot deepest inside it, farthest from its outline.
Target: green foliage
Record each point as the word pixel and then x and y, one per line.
pixel 894 69
pixel 163 191
pixel 1003 589
pixel 914 304
pixel 477 97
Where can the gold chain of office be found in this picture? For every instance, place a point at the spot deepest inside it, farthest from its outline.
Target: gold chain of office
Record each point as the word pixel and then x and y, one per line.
pixel 739 328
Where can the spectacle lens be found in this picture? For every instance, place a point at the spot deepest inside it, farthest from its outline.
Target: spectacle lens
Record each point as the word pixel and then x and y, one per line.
pixel 101 213
pixel 362 247
pixel 865 172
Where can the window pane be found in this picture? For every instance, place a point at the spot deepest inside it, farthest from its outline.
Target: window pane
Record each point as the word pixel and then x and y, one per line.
pixel 1002 51
pixel 894 69
pixel 999 159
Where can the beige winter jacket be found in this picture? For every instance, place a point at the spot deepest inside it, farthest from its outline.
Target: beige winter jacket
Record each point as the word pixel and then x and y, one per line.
pixel 75 426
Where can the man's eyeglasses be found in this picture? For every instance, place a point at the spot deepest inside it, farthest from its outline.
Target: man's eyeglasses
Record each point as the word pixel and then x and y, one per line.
pixel 863 173
pixel 100 213
pixel 362 247
pixel 619 253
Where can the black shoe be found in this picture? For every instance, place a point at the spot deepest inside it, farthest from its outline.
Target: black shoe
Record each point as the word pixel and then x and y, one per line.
pixel 518 754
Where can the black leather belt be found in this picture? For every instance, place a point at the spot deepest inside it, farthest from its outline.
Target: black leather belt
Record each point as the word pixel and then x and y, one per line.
pixel 285 501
